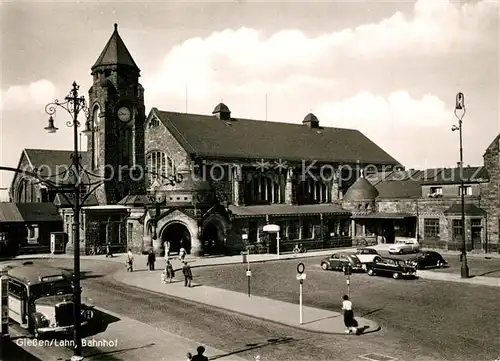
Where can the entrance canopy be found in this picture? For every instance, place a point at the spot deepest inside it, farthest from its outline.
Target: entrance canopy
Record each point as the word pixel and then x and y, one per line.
pixel 380 215
pixel 287 210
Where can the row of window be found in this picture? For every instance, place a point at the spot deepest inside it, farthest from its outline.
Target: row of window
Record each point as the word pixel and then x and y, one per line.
pixel 439 190
pixel 304 229
pixel 432 228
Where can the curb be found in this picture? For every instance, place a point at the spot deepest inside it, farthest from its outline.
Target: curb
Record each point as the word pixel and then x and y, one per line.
pixel 372 330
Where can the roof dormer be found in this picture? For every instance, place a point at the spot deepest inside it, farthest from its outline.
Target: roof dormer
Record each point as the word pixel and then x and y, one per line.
pixel 311 121
pixel 222 112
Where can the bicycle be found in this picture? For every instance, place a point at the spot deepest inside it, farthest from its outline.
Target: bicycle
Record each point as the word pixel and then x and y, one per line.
pixel 97 250
pixel 300 249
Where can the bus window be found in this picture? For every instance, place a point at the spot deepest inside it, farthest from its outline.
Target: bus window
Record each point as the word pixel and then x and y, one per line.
pixel 15 289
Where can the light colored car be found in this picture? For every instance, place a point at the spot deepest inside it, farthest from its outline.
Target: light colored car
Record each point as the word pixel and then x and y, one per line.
pixel 405 246
pixel 367 255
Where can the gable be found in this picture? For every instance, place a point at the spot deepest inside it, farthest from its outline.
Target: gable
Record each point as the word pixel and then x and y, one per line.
pixel 25 164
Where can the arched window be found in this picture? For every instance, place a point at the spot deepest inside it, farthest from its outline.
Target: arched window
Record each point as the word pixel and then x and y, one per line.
pixel 95 137
pixel 25 191
pixel 263 189
pixel 160 167
pixel 310 191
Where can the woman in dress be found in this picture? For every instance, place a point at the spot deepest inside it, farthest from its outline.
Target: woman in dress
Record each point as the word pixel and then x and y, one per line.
pixel 349 321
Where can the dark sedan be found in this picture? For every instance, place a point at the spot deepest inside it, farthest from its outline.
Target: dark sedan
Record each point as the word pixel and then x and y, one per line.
pixel 391 267
pixel 338 261
pixel 427 259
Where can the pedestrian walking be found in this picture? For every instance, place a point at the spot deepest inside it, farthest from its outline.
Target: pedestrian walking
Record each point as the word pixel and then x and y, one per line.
pixel 108 251
pixel 151 260
pixel 188 275
pixel 182 254
pixel 200 356
pixel 169 271
pixel 349 321
pixel 130 261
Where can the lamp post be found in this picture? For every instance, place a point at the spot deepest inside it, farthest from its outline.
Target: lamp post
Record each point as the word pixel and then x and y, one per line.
pixel 459 113
pixel 74 104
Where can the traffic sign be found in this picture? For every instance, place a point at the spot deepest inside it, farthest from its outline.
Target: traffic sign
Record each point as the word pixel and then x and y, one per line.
pixel 301 276
pixel 249 273
pixel 301 268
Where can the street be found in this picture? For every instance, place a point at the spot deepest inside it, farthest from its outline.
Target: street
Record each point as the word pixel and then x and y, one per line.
pixel 421 320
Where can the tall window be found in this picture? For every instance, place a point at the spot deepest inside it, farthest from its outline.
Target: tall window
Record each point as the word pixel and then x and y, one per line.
pixel 160 167
pixel 252 231
pixel 307 229
pixel 457 229
pixel 431 228
pixel 312 191
pixel 293 230
pixel 263 189
pixel 95 136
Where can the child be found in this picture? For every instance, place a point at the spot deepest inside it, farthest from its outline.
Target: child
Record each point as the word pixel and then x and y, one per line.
pixel 182 254
pixel 189 356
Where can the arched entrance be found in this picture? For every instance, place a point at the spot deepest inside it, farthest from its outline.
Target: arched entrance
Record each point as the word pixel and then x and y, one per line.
pixel 213 240
pixel 177 234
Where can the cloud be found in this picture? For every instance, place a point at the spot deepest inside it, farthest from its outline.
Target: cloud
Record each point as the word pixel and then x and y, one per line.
pixel 366 110
pixel 229 57
pixel 25 96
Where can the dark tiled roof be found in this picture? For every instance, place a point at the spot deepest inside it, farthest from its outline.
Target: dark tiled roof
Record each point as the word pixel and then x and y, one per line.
pixel 286 210
pixel 399 189
pixel 10 213
pixel 469 209
pixel 52 162
pixel 408 183
pixel 62 202
pixel 206 135
pixel 115 53
pixel 361 189
pixel 135 200
pixel 39 212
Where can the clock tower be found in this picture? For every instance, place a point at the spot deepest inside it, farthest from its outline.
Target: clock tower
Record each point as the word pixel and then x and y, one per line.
pixel 117 116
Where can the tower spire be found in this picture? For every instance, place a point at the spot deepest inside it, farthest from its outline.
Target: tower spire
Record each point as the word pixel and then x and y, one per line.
pixel 115 53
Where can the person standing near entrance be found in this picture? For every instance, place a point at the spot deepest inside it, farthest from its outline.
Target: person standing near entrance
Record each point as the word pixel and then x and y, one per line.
pixel 151 260
pixel 166 246
pixel 188 275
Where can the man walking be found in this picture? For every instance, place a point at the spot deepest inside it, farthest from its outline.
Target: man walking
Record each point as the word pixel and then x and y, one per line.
pixel 188 276
pixel 151 260
pixel 200 356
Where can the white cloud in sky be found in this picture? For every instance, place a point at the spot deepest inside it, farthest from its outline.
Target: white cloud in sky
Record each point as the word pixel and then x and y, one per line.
pixel 366 110
pixel 303 71
pixel 27 96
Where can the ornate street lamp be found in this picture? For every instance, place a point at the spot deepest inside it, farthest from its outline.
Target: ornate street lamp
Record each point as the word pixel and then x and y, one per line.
pixel 73 105
pixel 459 113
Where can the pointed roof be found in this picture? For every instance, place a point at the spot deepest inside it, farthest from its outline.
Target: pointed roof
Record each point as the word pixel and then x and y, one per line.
pixel 361 190
pixel 115 53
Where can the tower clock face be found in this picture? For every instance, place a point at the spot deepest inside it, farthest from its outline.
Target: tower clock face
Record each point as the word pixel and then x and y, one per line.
pixel 124 114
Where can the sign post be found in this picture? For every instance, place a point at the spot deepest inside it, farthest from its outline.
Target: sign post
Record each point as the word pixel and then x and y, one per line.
pixel 4 303
pixel 348 272
pixel 301 276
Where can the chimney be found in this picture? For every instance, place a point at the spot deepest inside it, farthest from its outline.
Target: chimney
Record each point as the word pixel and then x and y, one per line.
pixel 311 121
pixel 222 112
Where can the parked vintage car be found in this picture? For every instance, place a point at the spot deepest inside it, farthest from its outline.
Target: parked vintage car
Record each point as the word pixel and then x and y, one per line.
pixel 391 267
pixel 367 255
pixel 427 259
pixel 41 300
pixel 338 261
pixel 406 246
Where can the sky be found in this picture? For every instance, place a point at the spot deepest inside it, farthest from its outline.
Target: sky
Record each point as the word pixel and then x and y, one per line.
pixel 389 69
